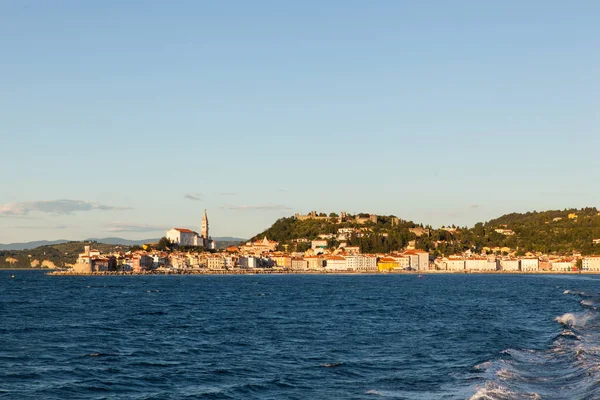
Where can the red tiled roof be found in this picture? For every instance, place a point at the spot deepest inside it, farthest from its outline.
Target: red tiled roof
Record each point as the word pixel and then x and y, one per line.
pixel 184 230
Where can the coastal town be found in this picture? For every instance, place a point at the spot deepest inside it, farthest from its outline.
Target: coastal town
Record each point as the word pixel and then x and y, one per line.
pixel 195 253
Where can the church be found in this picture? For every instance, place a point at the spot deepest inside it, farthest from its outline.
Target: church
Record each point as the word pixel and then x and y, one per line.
pixel 187 237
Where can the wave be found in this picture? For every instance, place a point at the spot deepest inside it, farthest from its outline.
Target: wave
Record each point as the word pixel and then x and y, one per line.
pixel 574 320
pixel 567 368
pixel 494 391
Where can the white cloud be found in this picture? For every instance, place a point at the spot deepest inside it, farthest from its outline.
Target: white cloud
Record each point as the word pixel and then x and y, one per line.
pixel 194 196
pixel 125 227
pixel 42 227
pixel 61 207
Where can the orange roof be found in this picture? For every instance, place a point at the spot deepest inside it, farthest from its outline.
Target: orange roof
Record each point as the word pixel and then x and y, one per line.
pixel 387 259
pixel 184 230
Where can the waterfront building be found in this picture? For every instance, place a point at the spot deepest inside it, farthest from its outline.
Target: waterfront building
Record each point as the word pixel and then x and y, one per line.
pixel 215 262
pixel 455 263
pixel 314 263
pixel 335 263
pixel 299 264
pixel 364 263
pixel 387 264
pixel 591 263
pixel 530 264
pixel 282 260
pixel 509 264
pixel 477 264
pixel 562 265
pixel 418 259
pixel 248 262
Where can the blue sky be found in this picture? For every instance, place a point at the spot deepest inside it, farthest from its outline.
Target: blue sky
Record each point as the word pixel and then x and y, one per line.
pixel 126 118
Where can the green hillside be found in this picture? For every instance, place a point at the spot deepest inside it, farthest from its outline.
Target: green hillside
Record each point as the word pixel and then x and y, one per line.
pixel 550 232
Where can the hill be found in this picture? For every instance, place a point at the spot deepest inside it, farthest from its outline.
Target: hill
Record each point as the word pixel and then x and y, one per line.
pixel 57 254
pixel 30 245
pixel 550 232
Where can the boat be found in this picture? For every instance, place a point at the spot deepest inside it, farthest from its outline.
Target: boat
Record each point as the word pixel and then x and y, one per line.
pixel 420 276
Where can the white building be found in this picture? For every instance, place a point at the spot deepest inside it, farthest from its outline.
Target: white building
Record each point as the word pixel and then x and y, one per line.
pixel 336 263
pixel 361 263
pixel 562 265
pixel 184 237
pixel 248 262
pixel 509 264
pixel 454 264
pixel 591 263
pixel 418 260
pixel 403 261
pixel 530 264
pixel 477 264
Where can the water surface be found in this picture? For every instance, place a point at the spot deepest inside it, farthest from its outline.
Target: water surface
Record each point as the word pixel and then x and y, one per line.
pixel 299 337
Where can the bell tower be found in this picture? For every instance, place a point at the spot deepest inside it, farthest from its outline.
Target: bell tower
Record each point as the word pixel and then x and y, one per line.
pixel 205 225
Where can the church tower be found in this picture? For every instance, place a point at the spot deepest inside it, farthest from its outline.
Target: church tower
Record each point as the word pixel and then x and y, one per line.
pixel 205 226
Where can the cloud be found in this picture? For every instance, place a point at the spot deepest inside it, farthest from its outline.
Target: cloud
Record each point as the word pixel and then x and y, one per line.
pixel 60 207
pixel 125 227
pixel 257 208
pixel 194 196
pixel 41 227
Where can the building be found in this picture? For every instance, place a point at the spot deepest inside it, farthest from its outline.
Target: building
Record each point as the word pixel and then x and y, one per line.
pixel 562 265
pixel 455 263
pixel 591 263
pixel 505 232
pixel 335 263
pixel 529 264
pixel 299 264
pixel 248 262
pixel 476 264
pixel 187 237
pixel 260 246
pixel 318 246
pixel 509 264
pixel 215 262
pixel 282 260
pixel 184 237
pixel 418 260
pixel 314 263
pixel 387 264
pixel 363 263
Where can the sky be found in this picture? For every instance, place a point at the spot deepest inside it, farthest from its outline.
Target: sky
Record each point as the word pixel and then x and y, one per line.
pixel 128 118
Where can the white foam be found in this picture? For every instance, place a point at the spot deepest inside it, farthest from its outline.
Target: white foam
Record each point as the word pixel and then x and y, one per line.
pixel 494 391
pixel 483 366
pixel 573 320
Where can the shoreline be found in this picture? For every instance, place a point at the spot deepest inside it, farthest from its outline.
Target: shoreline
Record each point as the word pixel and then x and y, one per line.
pixel 264 272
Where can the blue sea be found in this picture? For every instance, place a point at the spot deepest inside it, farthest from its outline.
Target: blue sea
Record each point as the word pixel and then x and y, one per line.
pixel 299 337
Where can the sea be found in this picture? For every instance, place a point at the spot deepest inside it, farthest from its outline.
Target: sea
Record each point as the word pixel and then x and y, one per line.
pixel 299 337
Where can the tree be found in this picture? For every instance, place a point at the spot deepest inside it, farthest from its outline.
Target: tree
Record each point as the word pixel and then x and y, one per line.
pixel 333 215
pixel 163 244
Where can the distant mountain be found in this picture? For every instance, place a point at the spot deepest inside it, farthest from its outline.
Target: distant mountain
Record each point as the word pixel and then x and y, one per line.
pixel 30 245
pixel 123 242
pixel 221 242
